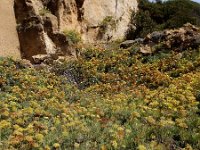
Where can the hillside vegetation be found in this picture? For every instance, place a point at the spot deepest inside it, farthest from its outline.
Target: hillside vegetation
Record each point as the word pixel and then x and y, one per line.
pixel 124 100
pixel 159 15
pixel 144 95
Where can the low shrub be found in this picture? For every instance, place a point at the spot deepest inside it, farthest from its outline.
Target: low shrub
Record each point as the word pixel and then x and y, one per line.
pixel 125 102
pixel 159 15
pixel 73 36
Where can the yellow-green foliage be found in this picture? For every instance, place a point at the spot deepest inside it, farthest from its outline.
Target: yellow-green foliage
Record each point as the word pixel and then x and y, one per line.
pixel 44 11
pixel 127 101
pixel 73 36
pixel 106 22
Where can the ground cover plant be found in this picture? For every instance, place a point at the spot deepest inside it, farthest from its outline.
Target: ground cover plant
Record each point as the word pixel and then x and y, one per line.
pixel 113 99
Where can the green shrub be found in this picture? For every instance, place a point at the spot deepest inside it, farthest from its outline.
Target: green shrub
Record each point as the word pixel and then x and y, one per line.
pixel 44 11
pixel 126 104
pixel 130 101
pixel 107 22
pixel 73 36
pixel 153 16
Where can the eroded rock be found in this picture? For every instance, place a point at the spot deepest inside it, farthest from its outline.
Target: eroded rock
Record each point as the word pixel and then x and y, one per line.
pixel 38 59
pixel 178 40
pixel 95 20
pixel 38 29
pixel 114 15
pixel 129 43
pixel 33 39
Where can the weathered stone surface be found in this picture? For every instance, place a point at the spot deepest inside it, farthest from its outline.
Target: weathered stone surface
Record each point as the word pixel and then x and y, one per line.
pixel 38 29
pixel 33 39
pixel 129 43
pixel 50 23
pixel 145 49
pixel 89 16
pixel 41 23
pixel 156 36
pixel 68 15
pixel 9 42
pixel 196 39
pixel 177 40
pixel 96 11
pixel 26 63
pixel 38 59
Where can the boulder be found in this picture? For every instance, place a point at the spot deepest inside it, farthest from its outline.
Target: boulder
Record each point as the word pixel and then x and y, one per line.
pixel 145 49
pixel 157 36
pixel 180 39
pixel 38 59
pixel 129 43
pixel 196 39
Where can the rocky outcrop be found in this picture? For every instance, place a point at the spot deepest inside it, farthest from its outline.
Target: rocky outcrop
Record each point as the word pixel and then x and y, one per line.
pixel 9 43
pixel 107 19
pixel 129 43
pixel 95 20
pixel 37 33
pixel 177 39
pixel 41 24
pixel 91 17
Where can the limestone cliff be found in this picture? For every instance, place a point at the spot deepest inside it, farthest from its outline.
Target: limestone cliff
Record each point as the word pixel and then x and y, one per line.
pixel 9 43
pixel 41 23
pixel 96 20
pixel 106 19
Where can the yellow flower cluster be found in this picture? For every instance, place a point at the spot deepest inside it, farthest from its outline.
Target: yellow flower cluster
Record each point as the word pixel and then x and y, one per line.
pixel 126 101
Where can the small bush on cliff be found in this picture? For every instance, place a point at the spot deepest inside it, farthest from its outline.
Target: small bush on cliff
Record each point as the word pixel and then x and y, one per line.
pixel 160 15
pixel 44 11
pixel 73 36
pixel 107 22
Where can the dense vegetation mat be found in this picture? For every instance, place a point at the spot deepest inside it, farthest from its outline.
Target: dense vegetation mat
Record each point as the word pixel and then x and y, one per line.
pixel 121 99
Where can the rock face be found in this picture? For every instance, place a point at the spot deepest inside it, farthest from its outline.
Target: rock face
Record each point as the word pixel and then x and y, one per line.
pixel 178 40
pixel 33 39
pixel 38 29
pixel 95 20
pixel 41 24
pixel 129 43
pixel 107 19
pixel 9 43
